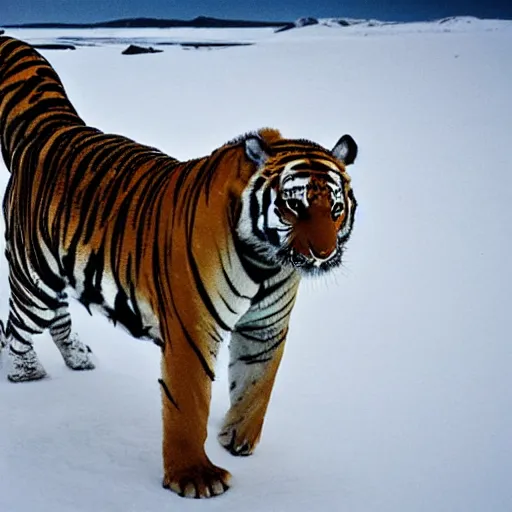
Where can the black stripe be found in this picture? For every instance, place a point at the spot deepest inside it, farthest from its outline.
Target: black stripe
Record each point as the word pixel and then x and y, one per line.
pixel 57 319
pixel 203 293
pixel 315 166
pixel 184 170
pixel 251 337
pixel 196 350
pixel 17 322
pixel 17 67
pixel 192 201
pixel 168 393
pixel 227 304
pixel 297 145
pixel 255 208
pixel 17 337
pixel 265 291
pixel 253 357
pixel 209 168
pixel 19 276
pixel 38 321
pixel 59 329
pixel 257 322
pixel 92 293
pixel 253 263
pixel 230 284
pixel 272 235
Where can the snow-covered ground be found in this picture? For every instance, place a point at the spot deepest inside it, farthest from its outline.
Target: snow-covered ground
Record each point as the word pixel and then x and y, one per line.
pixel 395 392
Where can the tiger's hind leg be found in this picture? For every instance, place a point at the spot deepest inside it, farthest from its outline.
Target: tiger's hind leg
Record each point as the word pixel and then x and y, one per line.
pixel 76 354
pixel 34 307
pixel 24 365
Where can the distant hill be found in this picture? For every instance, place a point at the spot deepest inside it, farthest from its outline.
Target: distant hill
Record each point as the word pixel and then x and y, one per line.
pixel 332 22
pixel 199 22
pixel 452 22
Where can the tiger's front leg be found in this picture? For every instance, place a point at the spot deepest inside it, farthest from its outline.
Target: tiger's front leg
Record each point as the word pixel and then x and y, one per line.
pixel 252 371
pixel 186 392
pixel 256 349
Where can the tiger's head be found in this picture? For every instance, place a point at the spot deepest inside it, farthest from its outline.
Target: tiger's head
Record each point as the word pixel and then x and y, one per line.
pixel 298 209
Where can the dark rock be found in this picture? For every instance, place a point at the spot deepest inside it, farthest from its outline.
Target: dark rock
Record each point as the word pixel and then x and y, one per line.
pixel 54 46
pixel 198 45
pixel 133 49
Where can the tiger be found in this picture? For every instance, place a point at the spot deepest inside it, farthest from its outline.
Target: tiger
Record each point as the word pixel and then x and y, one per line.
pixel 183 253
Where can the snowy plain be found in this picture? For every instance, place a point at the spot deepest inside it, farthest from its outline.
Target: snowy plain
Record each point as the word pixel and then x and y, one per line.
pixel 395 391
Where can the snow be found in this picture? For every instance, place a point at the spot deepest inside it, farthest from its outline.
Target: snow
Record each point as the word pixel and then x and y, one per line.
pixel 395 392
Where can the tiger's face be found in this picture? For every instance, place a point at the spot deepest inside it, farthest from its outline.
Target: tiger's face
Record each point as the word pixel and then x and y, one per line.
pixel 299 207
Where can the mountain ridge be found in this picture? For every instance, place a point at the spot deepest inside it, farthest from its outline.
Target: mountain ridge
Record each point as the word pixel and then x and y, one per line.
pixel 142 22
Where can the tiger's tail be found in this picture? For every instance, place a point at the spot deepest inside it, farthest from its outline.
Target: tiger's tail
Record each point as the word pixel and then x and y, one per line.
pixel 33 102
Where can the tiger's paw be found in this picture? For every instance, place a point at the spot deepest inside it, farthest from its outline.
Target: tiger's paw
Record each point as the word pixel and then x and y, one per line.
pixel 198 481
pixel 25 367
pixel 76 354
pixel 240 439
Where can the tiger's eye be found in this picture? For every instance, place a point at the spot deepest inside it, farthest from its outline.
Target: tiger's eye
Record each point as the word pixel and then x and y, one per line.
pixel 337 209
pixel 294 205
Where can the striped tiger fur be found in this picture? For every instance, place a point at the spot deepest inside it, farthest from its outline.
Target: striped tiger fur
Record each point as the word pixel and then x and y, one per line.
pixel 182 253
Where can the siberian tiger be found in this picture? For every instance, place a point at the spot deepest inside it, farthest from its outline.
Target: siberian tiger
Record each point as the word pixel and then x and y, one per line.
pixel 181 253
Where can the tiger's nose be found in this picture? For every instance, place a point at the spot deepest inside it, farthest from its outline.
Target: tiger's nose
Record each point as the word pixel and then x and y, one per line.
pixel 322 255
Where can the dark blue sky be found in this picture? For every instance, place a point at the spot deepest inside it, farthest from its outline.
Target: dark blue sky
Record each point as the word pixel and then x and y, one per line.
pixel 26 11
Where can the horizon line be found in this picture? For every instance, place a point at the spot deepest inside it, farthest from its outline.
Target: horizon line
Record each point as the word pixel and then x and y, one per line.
pixel 77 24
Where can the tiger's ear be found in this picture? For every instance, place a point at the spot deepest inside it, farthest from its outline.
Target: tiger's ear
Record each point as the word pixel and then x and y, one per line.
pixel 345 150
pixel 256 150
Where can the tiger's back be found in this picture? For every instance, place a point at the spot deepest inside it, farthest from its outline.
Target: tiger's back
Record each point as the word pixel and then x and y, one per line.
pixel 96 200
